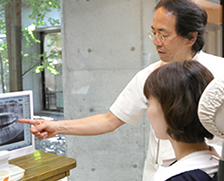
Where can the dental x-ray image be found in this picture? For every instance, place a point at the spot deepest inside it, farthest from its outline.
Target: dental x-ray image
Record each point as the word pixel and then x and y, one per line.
pixel 10 130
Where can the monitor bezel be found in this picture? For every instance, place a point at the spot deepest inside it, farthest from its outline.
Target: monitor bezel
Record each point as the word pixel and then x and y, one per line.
pixel 27 149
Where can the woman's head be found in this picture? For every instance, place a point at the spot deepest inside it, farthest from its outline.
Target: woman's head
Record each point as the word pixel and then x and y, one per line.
pixel 178 86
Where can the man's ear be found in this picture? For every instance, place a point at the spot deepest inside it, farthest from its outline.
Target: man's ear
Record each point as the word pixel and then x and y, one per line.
pixel 192 38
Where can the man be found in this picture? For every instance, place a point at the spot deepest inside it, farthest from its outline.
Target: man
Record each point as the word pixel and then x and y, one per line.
pixel 177 32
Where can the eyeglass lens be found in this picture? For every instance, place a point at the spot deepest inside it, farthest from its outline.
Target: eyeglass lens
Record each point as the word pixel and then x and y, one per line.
pixel 158 37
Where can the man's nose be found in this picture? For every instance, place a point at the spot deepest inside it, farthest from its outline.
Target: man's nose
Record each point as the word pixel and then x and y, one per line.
pixel 156 41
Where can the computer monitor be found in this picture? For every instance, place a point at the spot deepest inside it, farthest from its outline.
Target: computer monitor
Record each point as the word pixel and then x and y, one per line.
pixel 16 137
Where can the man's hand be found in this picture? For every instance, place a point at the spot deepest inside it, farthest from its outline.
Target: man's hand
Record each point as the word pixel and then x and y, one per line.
pixel 42 129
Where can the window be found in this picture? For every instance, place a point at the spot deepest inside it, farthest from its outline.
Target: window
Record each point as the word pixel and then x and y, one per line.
pixel 52 84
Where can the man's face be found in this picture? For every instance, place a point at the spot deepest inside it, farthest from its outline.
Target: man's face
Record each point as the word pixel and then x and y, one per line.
pixel 174 47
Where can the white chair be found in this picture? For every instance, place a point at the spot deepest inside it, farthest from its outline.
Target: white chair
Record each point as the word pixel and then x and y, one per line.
pixel 211 114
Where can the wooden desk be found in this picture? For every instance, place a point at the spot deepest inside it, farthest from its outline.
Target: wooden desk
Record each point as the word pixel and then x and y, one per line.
pixel 44 166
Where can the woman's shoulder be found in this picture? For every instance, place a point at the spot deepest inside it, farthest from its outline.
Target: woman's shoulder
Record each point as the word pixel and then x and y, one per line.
pixel 193 175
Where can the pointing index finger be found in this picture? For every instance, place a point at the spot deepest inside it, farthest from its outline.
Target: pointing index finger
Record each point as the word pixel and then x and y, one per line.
pixel 28 121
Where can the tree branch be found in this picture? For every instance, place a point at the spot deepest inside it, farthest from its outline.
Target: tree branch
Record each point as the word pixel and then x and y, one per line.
pixel 39 63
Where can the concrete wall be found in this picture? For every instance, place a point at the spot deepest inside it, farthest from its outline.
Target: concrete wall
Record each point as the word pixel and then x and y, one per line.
pixel 105 44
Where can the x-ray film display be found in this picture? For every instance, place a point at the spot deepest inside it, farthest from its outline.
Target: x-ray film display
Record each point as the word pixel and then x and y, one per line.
pixel 16 137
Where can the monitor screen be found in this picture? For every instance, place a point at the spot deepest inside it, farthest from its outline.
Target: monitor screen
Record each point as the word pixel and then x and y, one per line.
pixel 16 137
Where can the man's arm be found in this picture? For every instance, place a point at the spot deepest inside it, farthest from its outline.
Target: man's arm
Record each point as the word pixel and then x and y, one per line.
pixel 93 125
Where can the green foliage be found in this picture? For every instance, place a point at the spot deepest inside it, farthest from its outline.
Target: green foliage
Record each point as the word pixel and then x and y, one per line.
pixel 3 46
pixel 40 8
pixel 28 33
pixel 39 11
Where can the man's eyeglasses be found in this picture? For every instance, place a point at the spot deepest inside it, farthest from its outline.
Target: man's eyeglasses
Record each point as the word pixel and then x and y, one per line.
pixel 160 38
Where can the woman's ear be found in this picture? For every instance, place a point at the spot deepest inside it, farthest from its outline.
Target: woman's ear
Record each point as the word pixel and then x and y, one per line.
pixel 193 38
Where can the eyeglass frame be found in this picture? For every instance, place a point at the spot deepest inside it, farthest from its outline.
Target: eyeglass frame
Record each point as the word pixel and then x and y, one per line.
pixel 153 35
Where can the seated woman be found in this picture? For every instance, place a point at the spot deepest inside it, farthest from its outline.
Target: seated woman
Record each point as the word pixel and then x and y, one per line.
pixel 173 92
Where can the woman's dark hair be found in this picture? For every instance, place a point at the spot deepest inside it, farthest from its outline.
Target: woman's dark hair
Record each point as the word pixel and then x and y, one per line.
pixel 178 87
pixel 189 18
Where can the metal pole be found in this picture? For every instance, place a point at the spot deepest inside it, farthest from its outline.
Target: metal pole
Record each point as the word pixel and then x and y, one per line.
pixel 221 165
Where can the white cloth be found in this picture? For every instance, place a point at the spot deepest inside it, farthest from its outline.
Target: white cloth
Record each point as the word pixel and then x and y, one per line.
pixel 211 107
pixel 197 160
pixel 133 96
